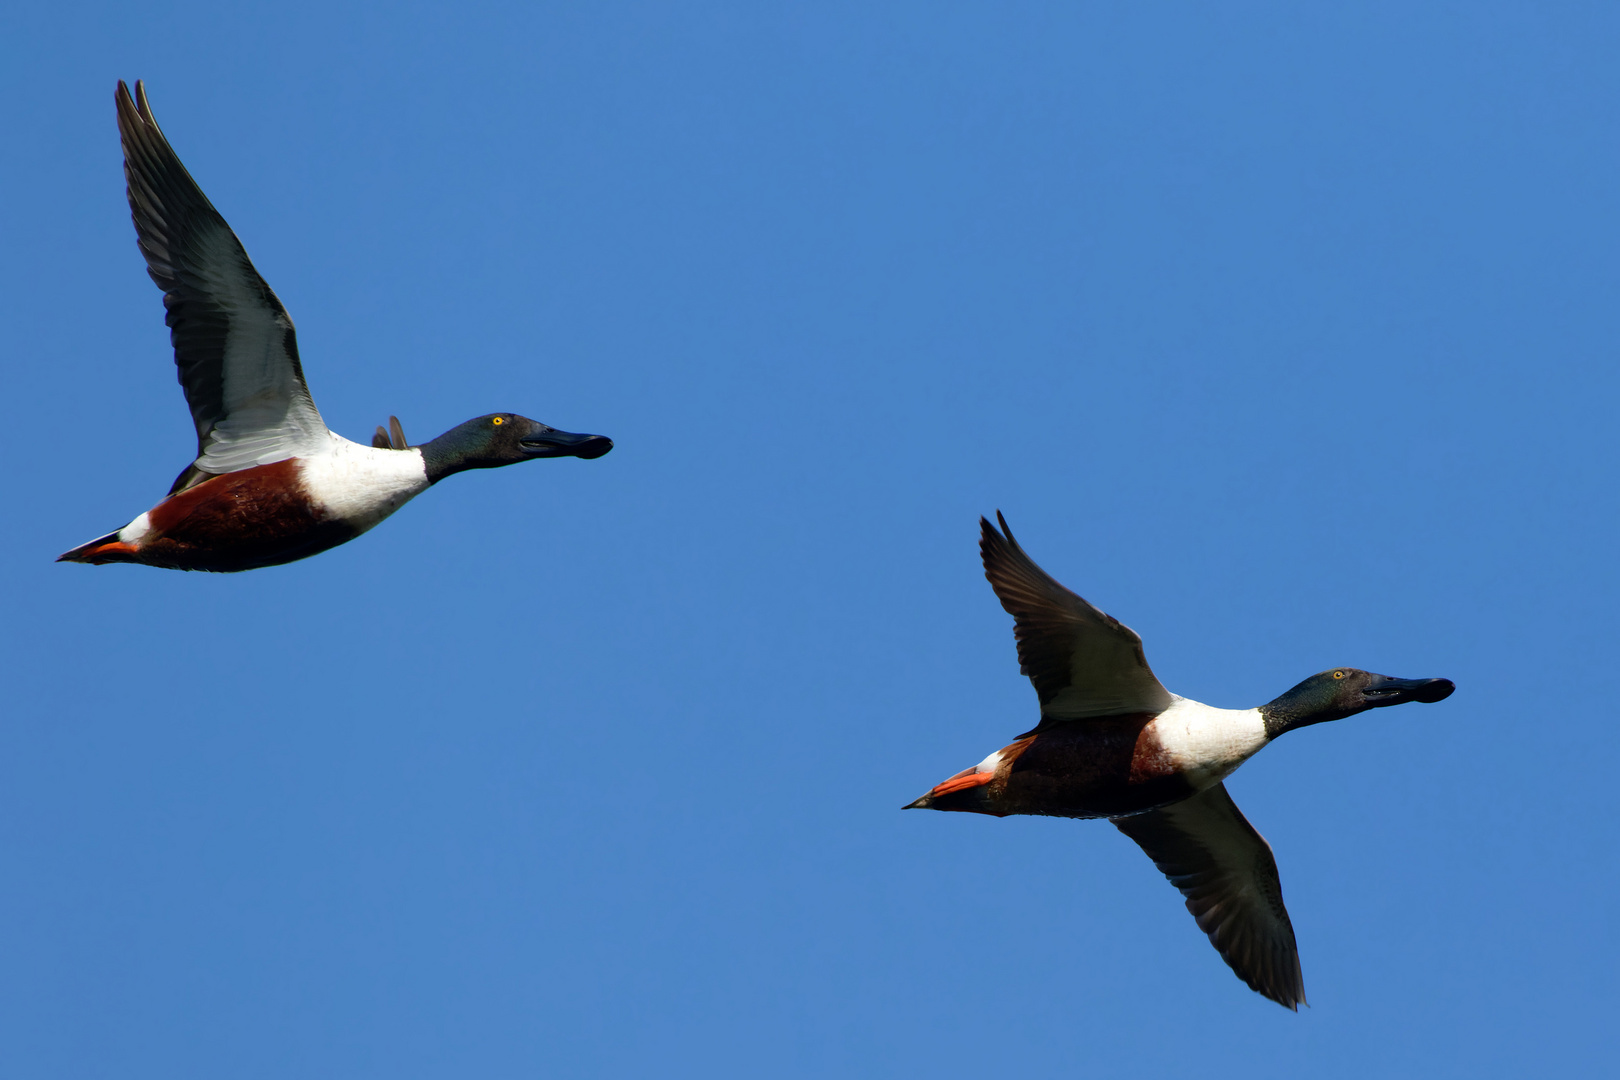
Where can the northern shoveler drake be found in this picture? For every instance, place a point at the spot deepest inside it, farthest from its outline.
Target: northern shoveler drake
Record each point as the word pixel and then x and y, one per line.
pixel 271 483
pixel 1113 743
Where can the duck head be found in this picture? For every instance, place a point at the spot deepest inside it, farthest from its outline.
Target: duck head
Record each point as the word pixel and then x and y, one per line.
pixel 504 439
pixel 1342 692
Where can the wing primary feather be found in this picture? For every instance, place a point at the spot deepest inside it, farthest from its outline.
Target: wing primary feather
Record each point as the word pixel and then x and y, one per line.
pixel 398 431
pixel 235 349
pixel 1081 661
pixel 380 440
pixel 1006 529
pixel 1228 875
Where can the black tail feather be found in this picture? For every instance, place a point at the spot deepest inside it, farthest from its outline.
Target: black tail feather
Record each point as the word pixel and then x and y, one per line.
pixel 87 553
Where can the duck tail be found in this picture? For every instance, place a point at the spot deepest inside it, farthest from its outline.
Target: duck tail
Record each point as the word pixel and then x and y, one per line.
pixel 105 549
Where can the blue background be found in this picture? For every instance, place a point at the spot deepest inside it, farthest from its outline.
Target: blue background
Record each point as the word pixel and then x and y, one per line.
pixel 1285 334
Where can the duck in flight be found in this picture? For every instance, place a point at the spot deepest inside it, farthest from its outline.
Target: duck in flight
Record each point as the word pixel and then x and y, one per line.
pixel 271 483
pixel 1114 743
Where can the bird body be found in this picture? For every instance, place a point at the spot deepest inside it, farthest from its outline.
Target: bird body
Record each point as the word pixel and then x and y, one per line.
pixel 271 483
pixel 268 514
pixel 1113 743
pixel 1115 765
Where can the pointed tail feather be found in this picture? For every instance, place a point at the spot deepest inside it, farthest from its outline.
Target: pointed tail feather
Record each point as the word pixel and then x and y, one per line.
pixel 105 549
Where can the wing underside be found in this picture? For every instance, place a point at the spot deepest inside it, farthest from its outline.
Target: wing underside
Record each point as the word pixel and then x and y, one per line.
pixel 1226 871
pixel 234 345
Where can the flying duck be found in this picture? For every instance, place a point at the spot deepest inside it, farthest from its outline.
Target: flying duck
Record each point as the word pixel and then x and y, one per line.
pixel 1114 743
pixel 271 483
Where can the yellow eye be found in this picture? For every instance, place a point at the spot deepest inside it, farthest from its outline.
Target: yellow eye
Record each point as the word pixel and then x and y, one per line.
pixel 497 421
pixel 1338 674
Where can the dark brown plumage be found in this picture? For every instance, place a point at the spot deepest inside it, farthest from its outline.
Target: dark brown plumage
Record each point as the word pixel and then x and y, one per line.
pixel 1113 742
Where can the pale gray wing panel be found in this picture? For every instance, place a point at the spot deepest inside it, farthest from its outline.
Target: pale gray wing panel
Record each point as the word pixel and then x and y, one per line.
pixel 234 345
pixel 1082 661
pixel 1226 871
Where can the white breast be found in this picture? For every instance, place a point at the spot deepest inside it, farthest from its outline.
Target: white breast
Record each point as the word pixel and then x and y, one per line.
pixel 1206 743
pixel 362 484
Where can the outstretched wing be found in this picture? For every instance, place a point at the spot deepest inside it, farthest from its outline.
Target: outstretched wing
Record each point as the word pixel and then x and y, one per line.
pixel 234 344
pixel 1082 661
pixel 1208 850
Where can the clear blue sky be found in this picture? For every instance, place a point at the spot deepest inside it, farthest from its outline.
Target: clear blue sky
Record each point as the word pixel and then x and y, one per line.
pixel 1285 334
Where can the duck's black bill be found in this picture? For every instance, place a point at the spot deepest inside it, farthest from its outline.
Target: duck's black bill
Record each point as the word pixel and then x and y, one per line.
pixel 550 442
pixel 1386 691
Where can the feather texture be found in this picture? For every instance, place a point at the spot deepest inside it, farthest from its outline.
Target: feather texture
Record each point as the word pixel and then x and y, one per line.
pixel 234 344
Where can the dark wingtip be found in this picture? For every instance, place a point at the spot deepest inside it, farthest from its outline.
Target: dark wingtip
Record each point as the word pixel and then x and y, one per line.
pixel 1289 996
pixel 995 546
pixel 136 103
pixel 123 104
pixel 132 109
pixel 990 542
